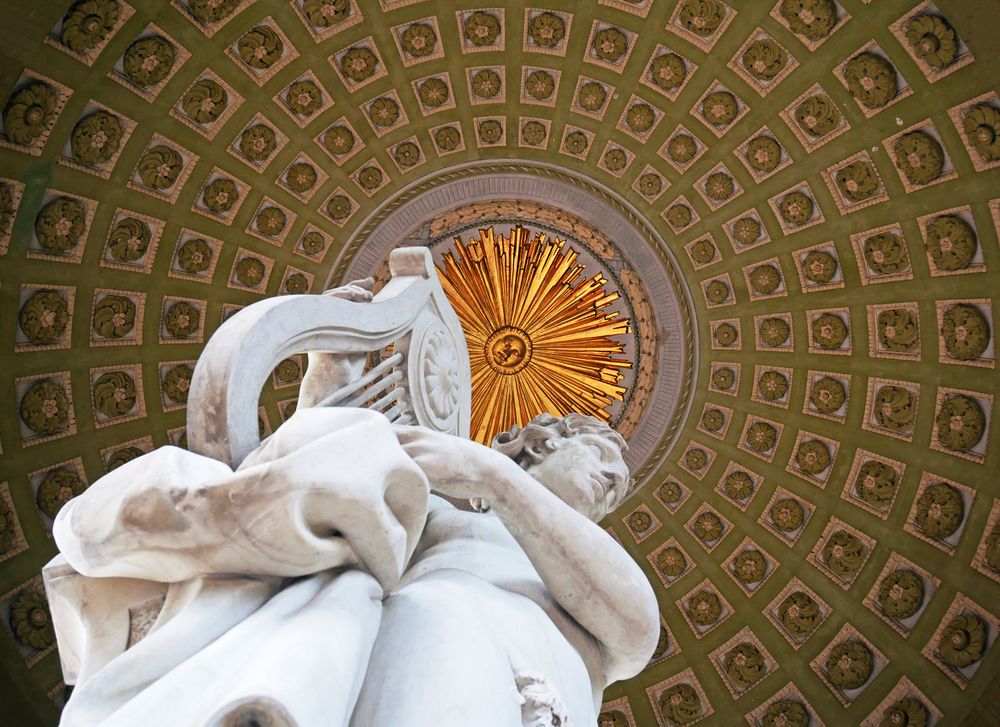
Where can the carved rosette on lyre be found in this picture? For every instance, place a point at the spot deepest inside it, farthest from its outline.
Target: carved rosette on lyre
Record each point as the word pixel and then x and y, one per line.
pixel 425 380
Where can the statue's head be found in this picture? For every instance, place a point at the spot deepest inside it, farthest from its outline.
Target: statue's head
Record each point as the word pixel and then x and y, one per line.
pixel 576 457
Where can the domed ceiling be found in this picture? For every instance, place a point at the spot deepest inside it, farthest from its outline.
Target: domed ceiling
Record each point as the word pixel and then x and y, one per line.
pixel 824 533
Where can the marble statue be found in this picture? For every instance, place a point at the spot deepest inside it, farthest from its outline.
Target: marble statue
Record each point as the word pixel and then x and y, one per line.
pixel 327 579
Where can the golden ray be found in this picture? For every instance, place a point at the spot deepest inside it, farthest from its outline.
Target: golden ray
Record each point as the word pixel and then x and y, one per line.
pixel 539 333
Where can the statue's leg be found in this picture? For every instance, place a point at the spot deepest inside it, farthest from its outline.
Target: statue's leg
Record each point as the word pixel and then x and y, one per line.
pixel 434 663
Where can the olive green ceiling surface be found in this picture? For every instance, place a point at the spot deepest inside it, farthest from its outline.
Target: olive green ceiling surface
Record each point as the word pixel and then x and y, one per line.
pixel 824 537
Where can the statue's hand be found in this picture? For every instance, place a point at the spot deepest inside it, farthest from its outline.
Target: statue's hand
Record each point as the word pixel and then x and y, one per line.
pixel 456 467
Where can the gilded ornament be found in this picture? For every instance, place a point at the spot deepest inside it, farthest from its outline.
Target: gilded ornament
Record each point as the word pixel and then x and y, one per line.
pixel 123 455
pixel 7 208
pixel 981 125
pixel 260 47
pixel 708 527
pixel 250 272
pixel 704 608
pixel 992 554
pixel 540 84
pixel 182 319
pixel 940 510
pixel 679 215
pixel 177 383
pixel 640 521
pixel 304 97
pixel 486 83
pixel 148 61
pixel 819 266
pixel 813 457
pixel 682 148
pixel 159 167
pixel 339 207
pixel 114 316
pixel 205 101
pixel 650 184
pixel 696 459
pixel 775 331
pixel 88 23
pixel 764 59
pixel 761 436
pixel 818 115
pixel 433 92
pixel 669 492
pixel 785 713
pixel 812 19
pixel 30 619
pixel 796 208
pixel 919 157
pixel 963 641
pixel 828 395
pixel 96 138
pixel 886 254
pixel 339 139
pixel 482 28
pixel 876 483
pixel 763 154
pixel 194 256
pixel 211 11
pixel 787 515
pixel 723 378
pixel 271 221
pixel 898 330
pixel 43 317
pixel 680 704
pixel 220 195
pixel 844 553
pixel 720 108
pixel 966 332
pixel 615 160
pixel 57 488
pixel 933 40
pixel 747 231
pixel 547 30
pixel 312 243
pixel 296 284
pixel 640 117
pixel 44 407
pixel 951 242
pixel 616 718
pixel 713 420
pixel 407 154
pixel 799 613
pixel 301 177
pixel 750 566
pixel 258 142
pixel 326 13
pixel 726 334
pixel 871 79
pixel 901 594
pixel 419 40
pixel 719 186
pixel 703 251
pixel 28 112
pixel 702 17
pixel 370 178
pixel 849 665
pixel 829 331
pixel 129 239
pixel 287 371
pixel 906 712
pixel 738 485
pixel 576 142
pixel 610 45
pixel 668 71
pixel 744 665
pixel 114 394
pixel 858 181
pixel 772 385
pixel 60 225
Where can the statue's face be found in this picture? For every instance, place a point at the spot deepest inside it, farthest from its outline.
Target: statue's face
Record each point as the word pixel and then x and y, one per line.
pixel 585 471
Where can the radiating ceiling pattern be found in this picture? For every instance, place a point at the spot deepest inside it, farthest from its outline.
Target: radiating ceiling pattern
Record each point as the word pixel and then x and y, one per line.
pixel 823 536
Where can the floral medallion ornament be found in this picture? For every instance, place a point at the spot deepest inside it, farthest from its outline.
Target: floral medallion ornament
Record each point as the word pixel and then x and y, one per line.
pixel 713 420
pixel 696 459
pixel 898 330
pixel 829 331
pixel 301 177
pixel 933 40
pixel 650 184
pixel 702 17
pixel 764 59
pixel 441 374
pixel 744 665
pixel 992 554
pixel 772 385
pixel 901 594
pixel 44 407
pixel 668 71
pixel 57 488
pixel 871 79
pixel 818 115
pixel 704 608
pixel 904 713
pixel 750 566
pixel 96 138
pixel 211 11
pixel 738 485
pixel 43 317
pixel 726 334
pixel 981 125
pixel 486 83
pixel 30 619
pixel 796 208
pixel 114 316
pixel 719 186
pixel 547 30
pixel 296 284
pixel 371 178
pixel 258 142
pixel 339 207
pixel 384 112
pixel 148 61
pixel 858 181
pixel 271 221
pixel 129 240
pixel 287 371
pixel 680 704
pixel 205 101
pixel 616 718
pixel 482 28
pixel 844 553
pixel 951 242
pixel 123 455
pixel 312 243
pixel 966 332
pixel 895 408
pixel 827 395
pixel 919 157
pixel 160 167
pixel 720 108
pixel 576 142
pixel 326 13
pixel 182 319
pixel 615 160
pixel 963 641
pixel 787 515
pixel 812 19
pixel 114 394
pixel 88 23
pixel 177 383
pixel 60 225
pixel 7 208
pixel 260 47
pixel 703 251
pixel 886 254
pixel 679 215
pixel 940 510
pixel 540 85
pixel 250 272
pixel 876 483
pixel 407 154
pixel 304 98
pixel 28 112
pixel 533 133
pixel 194 256
pixel 819 267
pixel 419 40
pixel 813 457
pixel 775 331
pixel 609 45
pixel 785 713
pixel 640 521
pixel 747 231
pixel 849 665
pixel 339 139
pixel 763 154
pixel 761 436
pixel 723 378
pixel 799 614
pixel 220 195
pixel 669 492
pixel 433 92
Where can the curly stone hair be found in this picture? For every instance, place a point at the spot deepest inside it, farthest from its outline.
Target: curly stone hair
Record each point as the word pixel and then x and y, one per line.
pixel 530 444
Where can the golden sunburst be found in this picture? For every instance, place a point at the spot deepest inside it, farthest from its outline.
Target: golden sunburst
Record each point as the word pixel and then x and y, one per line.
pixel 539 333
